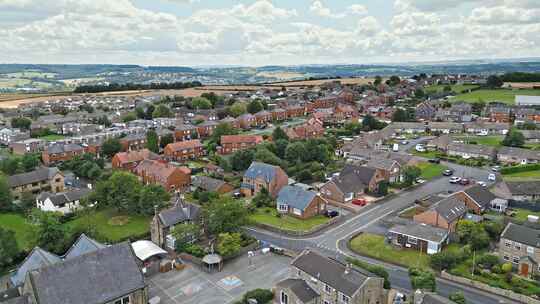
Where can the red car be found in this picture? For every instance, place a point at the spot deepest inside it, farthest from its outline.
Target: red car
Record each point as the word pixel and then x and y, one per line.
pixel 359 202
pixel 464 182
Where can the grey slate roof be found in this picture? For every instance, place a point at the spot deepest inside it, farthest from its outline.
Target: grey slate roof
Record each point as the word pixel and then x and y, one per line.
pixel 38 175
pixel 480 195
pixel 331 272
pixel 524 187
pixel 381 163
pixel 206 183
pixel 257 169
pixel 17 300
pixel 63 148
pixel 83 245
pixel 64 197
pixel 365 174
pixel 451 208
pixel 421 231
pixel 520 153
pixel 295 197
pixel 94 278
pixel 300 288
pixel 522 234
pixel 473 149
pixel 177 214
pixel 36 259
pixel 349 183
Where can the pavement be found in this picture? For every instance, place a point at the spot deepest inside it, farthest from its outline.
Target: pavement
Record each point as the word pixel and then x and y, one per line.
pixel 333 241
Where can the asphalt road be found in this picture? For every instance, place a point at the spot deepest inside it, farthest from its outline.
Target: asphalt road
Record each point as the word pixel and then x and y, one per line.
pixel 333 241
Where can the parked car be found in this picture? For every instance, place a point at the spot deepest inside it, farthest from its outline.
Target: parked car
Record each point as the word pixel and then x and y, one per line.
pixel 448 172
pixel 496 168
pixel 420 180
pixel 464 182
pixel 331 213
pixel 359 202
pixel 455 179
pixel 492 177
pixel 404 142
pixel 420 148
pixel 481 183
pixel 435 160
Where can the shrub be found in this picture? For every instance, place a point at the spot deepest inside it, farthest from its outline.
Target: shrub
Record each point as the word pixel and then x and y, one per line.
pixel 506 267
pixel 262 296
pixel 195 250
pixel 421 279
pixel 496 269
pixel 377 270
pixel 522 168
pixel 488 260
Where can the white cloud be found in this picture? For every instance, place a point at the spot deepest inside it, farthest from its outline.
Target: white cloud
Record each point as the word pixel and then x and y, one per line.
pixel 318 8
pixel 358 9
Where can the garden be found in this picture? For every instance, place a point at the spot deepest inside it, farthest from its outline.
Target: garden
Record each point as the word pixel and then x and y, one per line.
pixel 269 216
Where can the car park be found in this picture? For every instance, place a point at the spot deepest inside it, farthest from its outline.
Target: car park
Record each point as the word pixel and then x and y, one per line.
pixel 455 179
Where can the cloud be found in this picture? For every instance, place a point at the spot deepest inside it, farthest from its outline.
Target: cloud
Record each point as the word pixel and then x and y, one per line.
pixel 318 8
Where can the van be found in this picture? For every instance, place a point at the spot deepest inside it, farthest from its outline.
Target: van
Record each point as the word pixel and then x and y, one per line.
pixel 395 148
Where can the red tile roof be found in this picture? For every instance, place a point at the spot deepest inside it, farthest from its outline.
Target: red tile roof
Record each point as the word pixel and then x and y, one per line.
pixel 181 145
pixel 234 139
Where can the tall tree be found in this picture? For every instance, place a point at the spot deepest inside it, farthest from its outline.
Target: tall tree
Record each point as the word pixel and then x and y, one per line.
pixel 5 194
pixel 51 234
pixel 185 233
pixel 514 138
pixel 8 248
pixel 400 115
pixel 237 109
pixel 377 81
pixel 254 106
pixel 229 243
pixel 111 146
pixel 240 160
pixel 21 123
pixel 225 215
pixel 162 111
pixel 30 161
pixel 278 134
pixel 152 141
pixel 410 174
pixel 201 103
pixel 494 81
pixel 165 140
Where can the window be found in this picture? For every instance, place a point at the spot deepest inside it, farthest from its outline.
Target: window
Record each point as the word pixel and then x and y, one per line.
pixel 284 298
pixel 506 258
pixel 517 246
pixel 344 299
pixel 515 260
pixel 125 300
pixel 326 302
pixel 508 244
pixel 412 240
pixel 530 250
pixel 327 289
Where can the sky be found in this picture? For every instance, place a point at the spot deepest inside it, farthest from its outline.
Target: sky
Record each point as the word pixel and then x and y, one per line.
pixel 266 32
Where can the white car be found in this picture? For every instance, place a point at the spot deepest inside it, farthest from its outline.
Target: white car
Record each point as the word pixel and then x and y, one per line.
pixel 481 183
pixel 420 148
pixel 455 179
pixel 492 177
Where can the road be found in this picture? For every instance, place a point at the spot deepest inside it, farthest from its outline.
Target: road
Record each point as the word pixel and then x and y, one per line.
pixel 334 241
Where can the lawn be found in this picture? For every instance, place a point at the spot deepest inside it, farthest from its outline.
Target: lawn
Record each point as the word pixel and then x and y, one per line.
pixel 428 154
pixel 457 88
pixel 112 225
pixel 501 95
pixel 374 246
pixel 18 224
pixel 269 217
pixel 521 214
pixel 493 141
pixel 527 175
pixel 430 170
pixel 53 137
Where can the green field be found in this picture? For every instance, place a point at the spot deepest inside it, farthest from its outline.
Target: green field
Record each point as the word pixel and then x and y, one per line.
pixel 430 170
pixel 527 175
pixel 501 95
pixel 24 231
pixel 13 82
pixel 53 137
pixel 493 141
pixel 457 88
pixel 268 216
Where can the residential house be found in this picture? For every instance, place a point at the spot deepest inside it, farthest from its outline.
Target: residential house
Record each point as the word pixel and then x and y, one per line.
pixel 295 111
pixel 261 175
pixel 165 220
pixel 313 128
pixel 57 153
pixel 484 127
pixel 231 121
pixel 39 180
pixel 76 128
pixel 425 111
pixel 518 156
pixel 62 202
pixel 262 118
pixel 31 145
pixel 390 168
pixel 206 183
pixel 352 182
pixel 133 142
pixel 460 112
pixel 422 237
pixel 444 214
pixel 8 135
pixel 233 143
pixel 478 199
pixel 246 121
pixel 445 127
pixel 298 202
pixel 531 136
pixel 316 279
pixel 170 177
pixel 526 115
pixel 520 245
pixel 499 113
pixel 519 190
pixel 206 129
pixel 184 150
pixel 440 143
pixel 129 160
pixel 345 112
pixel 471 151
pixel 184 132
pixel 408 127
pixel 279 114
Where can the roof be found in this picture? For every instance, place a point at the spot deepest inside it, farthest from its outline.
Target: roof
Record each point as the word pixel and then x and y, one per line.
pixel 421 231
pixel 145 249
pixel 62 198
pixel 38 175
pixel 295 197
pixel 524 187
pixel 83 245
pixel 36 259
pixel 382 163
pixel 331 272
pixel 364 173
pixel 450 208
pixel 177 214
pixel 158 170
pixel 187 144
pixel 467 148
pixel 136 156
pixel 519 152
pixel 257 169
pixel 63 148
pixel 433 298
pixel 480 195
pixel 94 278
pixel 206 183
pixel 300 288
pixel 521 234
pixel 527 100
pixel 349 183
pixel 231 139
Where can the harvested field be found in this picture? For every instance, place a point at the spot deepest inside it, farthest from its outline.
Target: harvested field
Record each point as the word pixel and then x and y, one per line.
pixel 322 81
pixel 522 85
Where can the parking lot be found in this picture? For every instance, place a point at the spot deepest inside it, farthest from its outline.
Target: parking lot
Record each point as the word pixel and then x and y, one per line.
pixel 195 286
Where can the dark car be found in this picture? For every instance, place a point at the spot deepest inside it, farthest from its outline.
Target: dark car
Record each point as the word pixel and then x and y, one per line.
pixel 331 213
pixel 464 181
pixel 448 172
pixel 435 160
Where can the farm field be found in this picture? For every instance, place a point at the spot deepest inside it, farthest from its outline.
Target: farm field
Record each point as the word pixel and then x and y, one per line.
pixel 457 88
pixel 322 81
pixel 501 95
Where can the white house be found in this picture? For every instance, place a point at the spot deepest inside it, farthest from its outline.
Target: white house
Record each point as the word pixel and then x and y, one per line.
pixel 63 202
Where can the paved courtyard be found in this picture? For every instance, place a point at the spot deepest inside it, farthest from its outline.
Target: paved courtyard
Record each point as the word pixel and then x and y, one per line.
pixel 194 286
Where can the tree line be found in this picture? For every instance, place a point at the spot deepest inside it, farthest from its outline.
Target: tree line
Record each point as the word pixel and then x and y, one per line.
pixel 97 88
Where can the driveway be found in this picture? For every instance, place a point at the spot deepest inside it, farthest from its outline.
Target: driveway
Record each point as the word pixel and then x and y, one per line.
pixel 194 286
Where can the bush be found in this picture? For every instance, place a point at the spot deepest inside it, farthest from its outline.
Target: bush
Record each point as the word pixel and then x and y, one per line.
pixel 522 168
pixel 195 250
pixel 496 269
pixel 506 267
pixel 488 260
pixel 263 296
pixel 377 270
pixel 421 279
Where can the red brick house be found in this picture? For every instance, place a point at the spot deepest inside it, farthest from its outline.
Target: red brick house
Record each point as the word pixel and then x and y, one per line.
pixel 352 182
pixel 184 150
pixel 261 175
pixel 206 128
pixel 129 160
pixel 172 178
pixel 184 132
pixel 233 143
pixel 313 128
pixel 443 214
pixel 345 112
pixel 501 114
pixel 246 121
pixel 262 118
pixel 279 114
pixel 57 153
pixel 133 142
pixel 294 111
pixel 231 121
pixel 300 203
pixel 346 95
pixel 325 102
pixel 477 198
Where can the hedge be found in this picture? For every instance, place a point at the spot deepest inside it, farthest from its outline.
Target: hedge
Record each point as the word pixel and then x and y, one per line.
pixel 522 168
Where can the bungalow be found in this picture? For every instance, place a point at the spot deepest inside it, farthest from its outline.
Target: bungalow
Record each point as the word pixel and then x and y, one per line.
pixel 424 238
pixel 246 121
pixel 352 182
pixel 408 127
pixel 261 175
pixel 165 220
pixel 133 142
pixel 477 198
pixel 445 127
pixel 518 156
pixel 184 150
pixel 443 214
pixel 233 143
pixel 57 153
pixel 170 177
pixel 64 202
pixel 484 127
pixel 129 160
pixel 471 151
pixel 206 183
pixel 440 143
pixel 531 136
pixel 296 201
pixel 522 190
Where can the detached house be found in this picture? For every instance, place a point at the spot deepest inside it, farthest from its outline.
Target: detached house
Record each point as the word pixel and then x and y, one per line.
pixel 184 150
pixel 64 202
pixel 166 219
pixel 520 245
pixel 478 199
pixel 298 202
pixel 443 214
pixel 390 168
pixel 352 182
pixel 172 178
pixel 261 175
pixel 425 111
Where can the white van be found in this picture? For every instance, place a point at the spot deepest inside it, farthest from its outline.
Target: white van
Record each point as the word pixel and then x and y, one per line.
pixel 395 148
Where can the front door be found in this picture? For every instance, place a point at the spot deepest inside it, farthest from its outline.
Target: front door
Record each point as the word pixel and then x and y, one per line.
pixel 524 270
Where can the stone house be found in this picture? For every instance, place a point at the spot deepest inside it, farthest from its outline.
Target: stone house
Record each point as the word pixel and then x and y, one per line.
pixel 165 220
pixel 39 180
pixel 520 245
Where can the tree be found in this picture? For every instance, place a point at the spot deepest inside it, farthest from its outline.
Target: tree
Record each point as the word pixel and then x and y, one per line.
pixel 199 103
pixel 30 161
pixel 419 93
pixel 410 174
pixel 494 81
pixel 477 107
pixel 111 146
pixel 229 244
pixel 420 279
pixel 447 89
pixel 141 114
pixel 162 111
pixel 394 80
pixel 377 81
pixel 131 116
pixel 263 199
pixel 296 152
pixel 464 230
pixel 5 194
pixel 443 260
pixel 27 202
pixel 254 106
pixel 278 134
pixel 369 123
pixel 185 234
pixel 281 146
pixel 261 295
pixel 382 189
pixel 479 238
pixel 150 197
pixel 514 138
pixel 165 140
pixel 152 141
pixel 225 215
pixel 21 123
pixel 457 297
pixel 400 115
pixel 105 121
pixel 237 109
pixel 241 160
pixel 51 234
pixel 528 125
pixel 8 248
pixel 262 154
